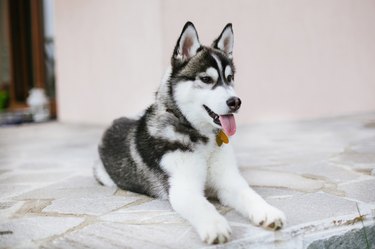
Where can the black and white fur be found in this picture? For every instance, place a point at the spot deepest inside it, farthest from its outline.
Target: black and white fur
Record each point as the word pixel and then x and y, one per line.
pixel 170 152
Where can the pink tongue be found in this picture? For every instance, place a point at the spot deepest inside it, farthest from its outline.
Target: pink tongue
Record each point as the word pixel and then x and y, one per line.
pixel 228 123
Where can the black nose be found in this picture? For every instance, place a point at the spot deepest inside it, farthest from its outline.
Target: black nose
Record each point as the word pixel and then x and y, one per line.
pixel 234 103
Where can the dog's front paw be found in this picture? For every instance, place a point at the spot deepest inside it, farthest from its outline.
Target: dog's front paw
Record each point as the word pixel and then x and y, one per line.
pixel 267 216
pixel 214 230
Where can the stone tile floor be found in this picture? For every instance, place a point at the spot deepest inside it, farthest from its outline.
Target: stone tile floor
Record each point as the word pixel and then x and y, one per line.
pixel 320 172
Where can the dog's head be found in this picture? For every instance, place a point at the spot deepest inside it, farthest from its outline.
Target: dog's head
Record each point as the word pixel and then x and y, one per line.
pixel 202 80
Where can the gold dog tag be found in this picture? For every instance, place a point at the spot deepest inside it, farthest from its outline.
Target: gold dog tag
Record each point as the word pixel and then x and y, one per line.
pixel 221 138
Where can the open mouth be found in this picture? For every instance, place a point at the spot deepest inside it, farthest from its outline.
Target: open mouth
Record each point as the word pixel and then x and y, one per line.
pixel 213 115
pixel 226 121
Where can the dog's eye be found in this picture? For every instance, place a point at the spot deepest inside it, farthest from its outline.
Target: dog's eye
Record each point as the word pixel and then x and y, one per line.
pixel 206 79
pixel 229 78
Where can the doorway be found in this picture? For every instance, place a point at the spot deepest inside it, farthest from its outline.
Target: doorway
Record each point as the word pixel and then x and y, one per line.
pixel 27 53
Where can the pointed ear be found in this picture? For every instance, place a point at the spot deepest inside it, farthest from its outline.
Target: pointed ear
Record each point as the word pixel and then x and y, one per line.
pixel 188 43
pixel 225 41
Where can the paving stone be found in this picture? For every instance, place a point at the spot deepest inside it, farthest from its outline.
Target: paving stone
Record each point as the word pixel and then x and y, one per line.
pixel 268 178
pixel 356 160
pixel 30 177
pixel 358 155
pixel 144 217
pixel 153 205
pixel 92 206
pixel 22 232
pixel 311 207
pixel 40 165
pixel 7 163
pixel 150 212
pixel 320 170
pixel 235 218
pixel 252 233
pixel 364 146
pixel 10 190
pixel 77 187
pixel 9 208
pixel 275 144
pixel 276 193
pixel 2 171
pixel 7 204
pixel 117 235
pixel 361 190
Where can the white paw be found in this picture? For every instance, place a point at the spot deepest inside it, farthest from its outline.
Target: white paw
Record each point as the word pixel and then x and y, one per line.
pixel 214 230
pixel 265 215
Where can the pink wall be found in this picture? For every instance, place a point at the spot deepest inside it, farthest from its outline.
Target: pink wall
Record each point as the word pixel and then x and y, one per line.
pixel 296 59
pixel 108 58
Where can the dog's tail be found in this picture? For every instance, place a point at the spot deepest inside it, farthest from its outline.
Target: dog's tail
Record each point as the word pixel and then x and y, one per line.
pixel 101 174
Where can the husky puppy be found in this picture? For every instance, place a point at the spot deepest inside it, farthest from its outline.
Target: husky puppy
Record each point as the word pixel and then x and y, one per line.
pixel 175 150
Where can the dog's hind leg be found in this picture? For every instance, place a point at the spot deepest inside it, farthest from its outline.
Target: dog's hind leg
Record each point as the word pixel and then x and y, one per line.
pixel 101 174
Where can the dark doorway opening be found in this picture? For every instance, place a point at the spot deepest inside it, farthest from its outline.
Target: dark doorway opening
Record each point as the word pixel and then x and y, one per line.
pixel 27 52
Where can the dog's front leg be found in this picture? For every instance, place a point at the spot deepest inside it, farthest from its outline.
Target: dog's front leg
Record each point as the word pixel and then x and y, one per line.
pixel 187 173
pixel 232 190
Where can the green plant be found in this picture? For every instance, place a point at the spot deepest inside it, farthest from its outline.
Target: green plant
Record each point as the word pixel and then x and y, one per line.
pixel 4 96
